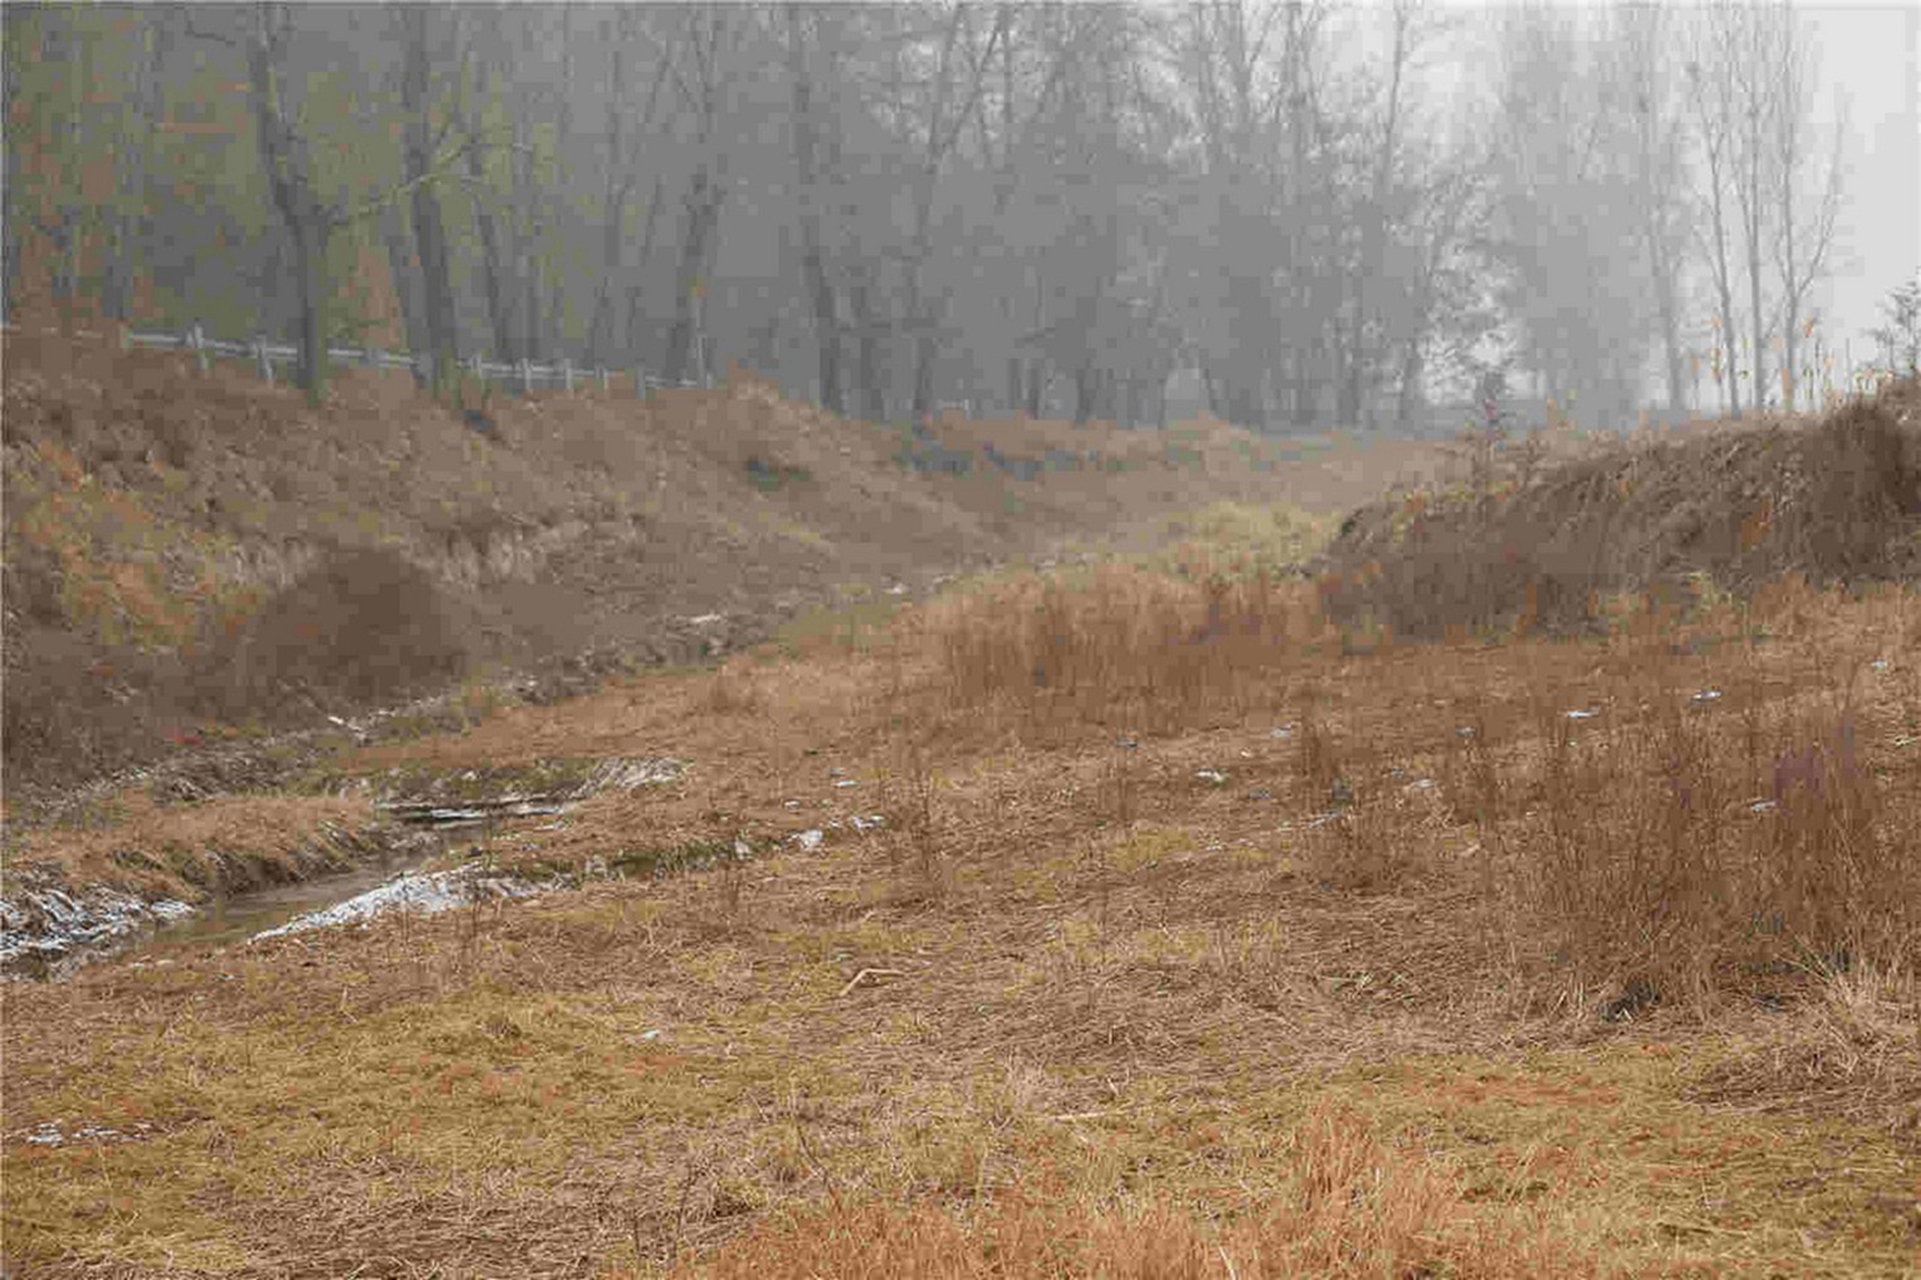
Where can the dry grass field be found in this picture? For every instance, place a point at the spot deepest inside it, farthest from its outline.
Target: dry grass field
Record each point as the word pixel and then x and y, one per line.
pixel 1199 941
pixel 1209 927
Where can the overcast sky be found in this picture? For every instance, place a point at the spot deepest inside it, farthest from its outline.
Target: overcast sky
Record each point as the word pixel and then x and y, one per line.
pixel 1871 60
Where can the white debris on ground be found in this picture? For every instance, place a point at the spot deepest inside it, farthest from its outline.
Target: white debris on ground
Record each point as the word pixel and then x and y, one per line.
pixel 423 893
pixel 869 822
pixel 1707 695
pixel 1585 714
pixel 809 840
pixel 631 774
pixel 51 1133
pixel 1213 776
pixel 45 923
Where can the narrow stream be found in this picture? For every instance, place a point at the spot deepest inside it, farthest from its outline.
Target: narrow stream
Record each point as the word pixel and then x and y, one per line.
pixel 227 919
pixel 236 918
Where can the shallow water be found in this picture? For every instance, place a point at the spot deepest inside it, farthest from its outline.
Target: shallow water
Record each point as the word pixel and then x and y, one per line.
pixel 231 918
pixel 237 918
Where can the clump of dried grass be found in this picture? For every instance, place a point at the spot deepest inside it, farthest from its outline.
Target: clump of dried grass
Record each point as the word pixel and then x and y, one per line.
pixel 1346 1204
pixel 1653 852
pixel 1640 829
pixel 1119 646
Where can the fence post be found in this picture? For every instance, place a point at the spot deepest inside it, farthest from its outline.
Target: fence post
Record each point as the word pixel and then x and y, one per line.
pixel 603 378
pixel 261 357
pixel 198 342
pixel 371 355
pixel 480 371
pixel 526 376
pixel 423 369
pixel 640 382
pixel 567 374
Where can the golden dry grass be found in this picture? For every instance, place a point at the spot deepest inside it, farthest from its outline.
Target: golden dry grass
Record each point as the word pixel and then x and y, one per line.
pixel 230 842
pixel 1187 977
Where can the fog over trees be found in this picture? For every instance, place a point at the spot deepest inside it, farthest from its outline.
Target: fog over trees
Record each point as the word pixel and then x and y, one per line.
pixel 1296 213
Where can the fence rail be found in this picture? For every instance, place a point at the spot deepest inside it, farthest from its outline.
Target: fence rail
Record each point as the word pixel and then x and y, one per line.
pixel 265 356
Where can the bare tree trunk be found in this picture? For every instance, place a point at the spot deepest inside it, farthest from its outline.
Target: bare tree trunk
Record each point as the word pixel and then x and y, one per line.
pixel 702 204
pixel 406 281
pixel 492 271
pixel 430 236
pixel 283 154
pixel 1712 120
pixel 869 369
pixel 813 266
pixel 636 292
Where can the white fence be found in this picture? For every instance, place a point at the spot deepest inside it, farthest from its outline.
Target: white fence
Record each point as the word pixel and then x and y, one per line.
pixel 525 375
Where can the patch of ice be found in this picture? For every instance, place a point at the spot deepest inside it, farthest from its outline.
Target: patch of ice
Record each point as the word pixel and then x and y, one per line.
pixel 50 1133
pixel 632 774
pixel 46 922
pixel 425 893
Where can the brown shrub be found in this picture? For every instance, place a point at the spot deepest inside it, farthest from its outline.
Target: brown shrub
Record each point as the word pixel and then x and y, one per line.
pixel 361 626
pixel 1120 646
pixel 1838 501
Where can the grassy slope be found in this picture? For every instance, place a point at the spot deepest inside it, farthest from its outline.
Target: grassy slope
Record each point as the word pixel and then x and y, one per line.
pixel 169 535
pixel 1198 942
pixel 1078 1009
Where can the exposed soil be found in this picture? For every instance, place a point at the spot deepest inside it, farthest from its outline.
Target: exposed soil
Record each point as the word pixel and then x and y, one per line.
pixel 192 555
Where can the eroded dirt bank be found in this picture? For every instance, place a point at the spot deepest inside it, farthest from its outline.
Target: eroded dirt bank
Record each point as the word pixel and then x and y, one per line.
pixel 212 591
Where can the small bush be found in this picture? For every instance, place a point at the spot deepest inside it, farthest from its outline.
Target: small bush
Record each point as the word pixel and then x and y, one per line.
pixel 361 626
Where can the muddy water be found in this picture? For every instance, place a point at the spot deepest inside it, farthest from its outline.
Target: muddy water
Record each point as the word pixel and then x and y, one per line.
pixel 228 919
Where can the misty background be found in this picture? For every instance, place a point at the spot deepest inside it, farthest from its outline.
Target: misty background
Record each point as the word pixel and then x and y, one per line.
pixel 1292 214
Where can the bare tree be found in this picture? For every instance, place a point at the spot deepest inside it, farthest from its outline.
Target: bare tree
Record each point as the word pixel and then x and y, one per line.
pixel 820 291
pixel 1807 202
pixel 1645 36
pixel 700 74
pixel 414 26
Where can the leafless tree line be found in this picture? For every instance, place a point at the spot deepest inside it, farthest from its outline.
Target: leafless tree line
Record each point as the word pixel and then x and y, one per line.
pixel 1308 213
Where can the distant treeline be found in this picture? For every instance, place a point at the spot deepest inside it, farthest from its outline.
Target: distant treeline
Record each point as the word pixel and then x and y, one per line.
pixel 1318 214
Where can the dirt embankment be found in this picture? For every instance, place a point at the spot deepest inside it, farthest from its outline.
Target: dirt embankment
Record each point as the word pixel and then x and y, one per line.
pixel 1834 498
pixel 189 555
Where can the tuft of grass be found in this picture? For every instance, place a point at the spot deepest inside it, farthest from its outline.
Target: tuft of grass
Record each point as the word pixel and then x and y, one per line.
pixel 1119 646
pixel 1346 1203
